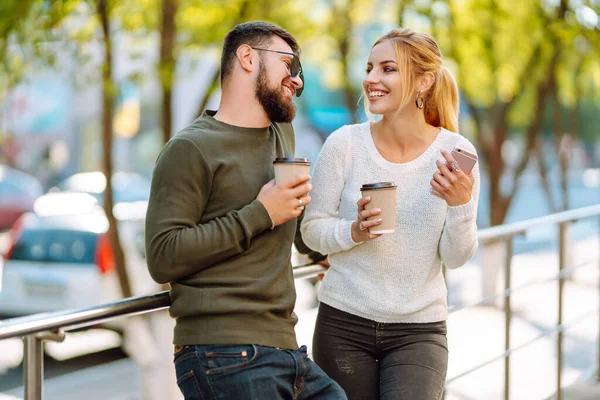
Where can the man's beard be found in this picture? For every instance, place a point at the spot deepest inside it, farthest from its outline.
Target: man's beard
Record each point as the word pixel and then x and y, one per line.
pixel 277 107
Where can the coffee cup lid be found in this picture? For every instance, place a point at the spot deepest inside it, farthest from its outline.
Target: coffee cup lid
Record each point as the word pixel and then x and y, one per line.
pixel 291 160
pixel 378 186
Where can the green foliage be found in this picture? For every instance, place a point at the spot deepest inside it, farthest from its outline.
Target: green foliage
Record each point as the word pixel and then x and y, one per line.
pixel 30 35
pixel 501 51
pixel 498 49
pixel 492 43
pixel 205 23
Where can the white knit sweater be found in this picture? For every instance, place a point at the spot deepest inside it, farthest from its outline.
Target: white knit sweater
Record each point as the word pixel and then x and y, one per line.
pixel 398 276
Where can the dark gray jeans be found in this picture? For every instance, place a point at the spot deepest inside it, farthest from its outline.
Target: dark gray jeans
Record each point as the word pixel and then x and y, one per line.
pixel 372 360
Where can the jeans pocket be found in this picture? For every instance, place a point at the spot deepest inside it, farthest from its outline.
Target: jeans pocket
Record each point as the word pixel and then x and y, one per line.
pixel 221 359
pixel 188 384
pixel 185 372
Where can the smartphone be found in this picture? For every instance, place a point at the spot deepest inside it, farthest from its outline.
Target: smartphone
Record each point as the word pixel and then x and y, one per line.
pixel 465 159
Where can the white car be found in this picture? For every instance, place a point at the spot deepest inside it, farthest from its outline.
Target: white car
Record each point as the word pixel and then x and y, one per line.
pixel 60 258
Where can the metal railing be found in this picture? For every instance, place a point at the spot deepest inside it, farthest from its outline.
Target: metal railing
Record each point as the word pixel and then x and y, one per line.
pixel 51 326
pixel 506 234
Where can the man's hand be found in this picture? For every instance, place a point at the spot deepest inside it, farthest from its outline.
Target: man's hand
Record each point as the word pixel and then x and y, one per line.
pixel 286 200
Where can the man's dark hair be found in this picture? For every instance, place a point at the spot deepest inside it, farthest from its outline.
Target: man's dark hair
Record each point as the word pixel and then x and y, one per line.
pixel 254 34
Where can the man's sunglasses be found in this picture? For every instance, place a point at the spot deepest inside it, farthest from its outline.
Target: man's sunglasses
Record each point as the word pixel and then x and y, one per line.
pixel 295 67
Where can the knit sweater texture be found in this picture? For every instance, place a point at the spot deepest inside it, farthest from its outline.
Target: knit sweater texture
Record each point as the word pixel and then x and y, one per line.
pixel 396 277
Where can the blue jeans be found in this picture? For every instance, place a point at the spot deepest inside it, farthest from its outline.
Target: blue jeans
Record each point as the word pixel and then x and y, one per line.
pixel 210 372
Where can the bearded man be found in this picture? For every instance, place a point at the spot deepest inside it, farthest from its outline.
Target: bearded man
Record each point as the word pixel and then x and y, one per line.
pixel 219 231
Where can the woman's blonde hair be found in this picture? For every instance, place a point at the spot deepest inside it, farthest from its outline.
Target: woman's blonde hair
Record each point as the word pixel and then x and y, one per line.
pixel 418 54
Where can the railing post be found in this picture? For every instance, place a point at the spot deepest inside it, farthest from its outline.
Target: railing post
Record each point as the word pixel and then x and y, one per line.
pixel 33 367
pixel 562 253
pixel 33 362
pixel 507 315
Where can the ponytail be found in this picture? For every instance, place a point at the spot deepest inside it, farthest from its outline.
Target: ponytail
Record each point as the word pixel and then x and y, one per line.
pixel 442 106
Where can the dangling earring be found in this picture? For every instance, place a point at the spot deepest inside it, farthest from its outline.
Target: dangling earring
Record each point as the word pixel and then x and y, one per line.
pixel 419 102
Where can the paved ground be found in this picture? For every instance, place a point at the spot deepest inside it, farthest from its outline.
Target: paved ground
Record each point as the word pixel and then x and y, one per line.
pixel 589 390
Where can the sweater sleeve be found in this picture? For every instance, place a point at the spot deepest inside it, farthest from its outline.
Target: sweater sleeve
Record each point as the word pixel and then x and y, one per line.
pixel 302 248
pixel 459 237
pixel 322 229
pixel 177 245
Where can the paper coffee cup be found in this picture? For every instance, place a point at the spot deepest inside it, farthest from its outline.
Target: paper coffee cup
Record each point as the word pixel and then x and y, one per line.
pixel 287 167
pixel 383 196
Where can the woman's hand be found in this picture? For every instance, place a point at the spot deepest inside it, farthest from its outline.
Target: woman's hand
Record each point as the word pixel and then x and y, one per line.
pixel 360 227
pixel 323 263
pixel 452 184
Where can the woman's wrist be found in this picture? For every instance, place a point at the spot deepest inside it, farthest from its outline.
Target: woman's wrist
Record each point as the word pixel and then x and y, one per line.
pixel 461 202
pixel 355 232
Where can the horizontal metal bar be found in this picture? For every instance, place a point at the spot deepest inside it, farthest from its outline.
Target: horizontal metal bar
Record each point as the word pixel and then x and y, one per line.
pixel 88 316
pixel 557 329
pixel 507 292
pixel 73 319
pixel 309 271
pixel 495 233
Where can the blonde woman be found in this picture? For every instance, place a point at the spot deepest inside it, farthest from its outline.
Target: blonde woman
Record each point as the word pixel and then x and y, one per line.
pixel 381 330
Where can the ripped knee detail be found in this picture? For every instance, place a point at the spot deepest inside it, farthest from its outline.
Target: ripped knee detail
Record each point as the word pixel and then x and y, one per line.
pixel 344 366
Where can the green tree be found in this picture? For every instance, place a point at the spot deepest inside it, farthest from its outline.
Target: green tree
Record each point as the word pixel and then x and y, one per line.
pixel 167 63
pixel 103 11
pixel 341 28
pixel 27 29
pixel 505 81
pixel 189 27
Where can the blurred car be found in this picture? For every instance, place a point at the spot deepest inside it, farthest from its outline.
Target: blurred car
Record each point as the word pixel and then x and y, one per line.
pixel 18 191
pixel 60 257
pixel 127 186
pixel 131 191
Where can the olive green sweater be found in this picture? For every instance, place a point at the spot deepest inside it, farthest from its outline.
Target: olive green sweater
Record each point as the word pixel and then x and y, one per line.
pixel 207 235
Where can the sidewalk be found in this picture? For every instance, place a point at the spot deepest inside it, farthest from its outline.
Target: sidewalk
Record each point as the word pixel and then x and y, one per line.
pixel 589 390
pixel 114 381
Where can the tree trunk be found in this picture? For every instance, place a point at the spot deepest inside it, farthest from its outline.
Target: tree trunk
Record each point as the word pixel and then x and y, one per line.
pixel 401 8
pixel 564 161
pixel 350 100
pixel 539 156
pixel 107 167
pixel 496 167
pixel 570 137
pixel 562 149
pixel 341 26
pixel 167 64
